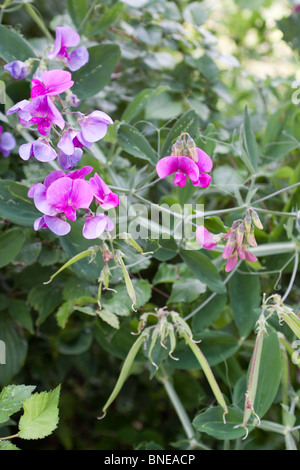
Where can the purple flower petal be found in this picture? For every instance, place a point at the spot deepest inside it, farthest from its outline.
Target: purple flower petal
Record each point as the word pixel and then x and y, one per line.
pixel 55 224
pixel 203 181
pixel 67 162
pixel 80 174
pixel 17 69
pixel 180 180
pixel 106 198
pixel 25 151
pixel 41 201
pixel 77 58
pixel 67 195
pixel 43 151
pixel 94 125
pixel 7 143
pixel 65 37
pixel 94 226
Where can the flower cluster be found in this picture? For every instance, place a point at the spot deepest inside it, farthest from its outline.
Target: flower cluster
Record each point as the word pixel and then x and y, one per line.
pixel 186 160
pixel 238 239
pixel 61 195
pixel 63 192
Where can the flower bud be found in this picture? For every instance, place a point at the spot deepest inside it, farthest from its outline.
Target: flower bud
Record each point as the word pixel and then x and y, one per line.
pixel 256 219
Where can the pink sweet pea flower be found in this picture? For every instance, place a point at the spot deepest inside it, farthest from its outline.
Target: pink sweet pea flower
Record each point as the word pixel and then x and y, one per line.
pixel 40 149
pixel 183 167
pixel 51 83
pixel 64 39
pixel 40 111
pixel 95 225
pixel 206 239
pixel 106 198
pixel 67 195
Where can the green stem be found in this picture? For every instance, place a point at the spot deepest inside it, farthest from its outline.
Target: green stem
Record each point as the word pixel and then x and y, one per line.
pixel 180 411
pixel 38 20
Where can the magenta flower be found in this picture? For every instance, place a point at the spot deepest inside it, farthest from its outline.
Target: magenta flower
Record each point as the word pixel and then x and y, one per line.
pixel 186 161
pixel 93 126
pixel 40 111
pixel 103 195
pixel 62 194
pixel 40 149
pixel 238 239
pixel 183 167
pixel 51 83
pixel 18 69
pixel 64 39
pixel 95 225
pixel 7 142
pixel 207 240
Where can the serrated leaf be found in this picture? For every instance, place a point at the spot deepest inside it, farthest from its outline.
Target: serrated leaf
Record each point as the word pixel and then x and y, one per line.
pixel 40 416
pixel 7 445
pixel 109 317
pixel 12 398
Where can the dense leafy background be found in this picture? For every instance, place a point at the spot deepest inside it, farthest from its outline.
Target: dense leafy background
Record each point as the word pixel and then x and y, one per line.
pixel 224 72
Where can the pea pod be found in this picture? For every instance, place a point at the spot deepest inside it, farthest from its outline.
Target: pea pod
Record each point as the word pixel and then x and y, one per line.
pixel 124 371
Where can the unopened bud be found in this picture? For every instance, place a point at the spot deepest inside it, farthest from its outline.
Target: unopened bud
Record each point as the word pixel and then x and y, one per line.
pixel 256 219
pixel 240 232
pixel 248 222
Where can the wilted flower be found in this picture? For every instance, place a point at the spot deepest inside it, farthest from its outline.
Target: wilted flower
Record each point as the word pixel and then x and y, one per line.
pixel 186 160
pixel 18 69
pixel 64 39
pixel 7 142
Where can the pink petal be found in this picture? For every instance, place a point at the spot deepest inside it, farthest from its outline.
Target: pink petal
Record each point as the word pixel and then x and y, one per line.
pixel 102 193
pixel 231 262
pixel 250 256
pixel 81 195
pixel 40 200
pixel 206 239
pixel 168 165
pixel 179 180
pixel 25 151
pixel 203 181
pixel 65 37
pixel 204 162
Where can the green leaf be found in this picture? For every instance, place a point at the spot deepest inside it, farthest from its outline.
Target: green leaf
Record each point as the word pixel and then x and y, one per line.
pixel 203 269
pixel 109 17
pixel 11 243
pixel 15 205
pixel 75 341
pixel 209 313
pixel 186 291
pixel 21 314
pixel 12 398
pixel 15 349
pixel 140 101
pixel 44 299
pixel 251 155
pixel 93 76
pixel 245 299
pixel 13 46
pixel 269 374
pixel 77 10
pixel 188 122
pixel 7 445
pixel 109 317
pixel 133 142
pixel 211 422
pixel 40 416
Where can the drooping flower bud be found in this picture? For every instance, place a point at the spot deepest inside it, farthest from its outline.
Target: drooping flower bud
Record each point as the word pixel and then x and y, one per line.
pixel 256 219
